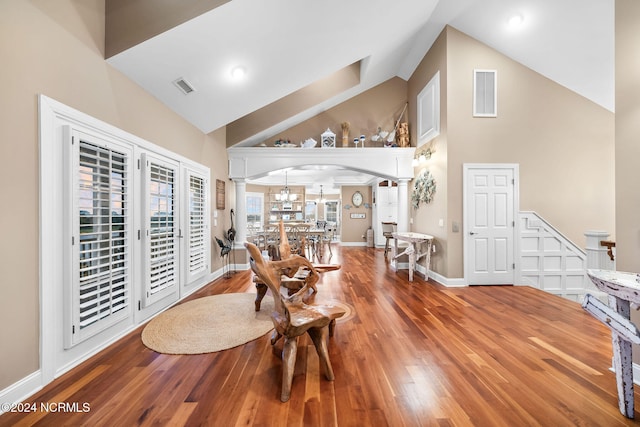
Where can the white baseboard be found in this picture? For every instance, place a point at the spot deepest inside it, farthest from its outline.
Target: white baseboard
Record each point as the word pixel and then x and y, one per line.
pixel 32 383
pixel 353 243
pixel 21 390
pixel 448 282
pixel 445 281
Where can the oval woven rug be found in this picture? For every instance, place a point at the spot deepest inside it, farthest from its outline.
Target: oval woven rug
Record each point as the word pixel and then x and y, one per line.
pixel 209 324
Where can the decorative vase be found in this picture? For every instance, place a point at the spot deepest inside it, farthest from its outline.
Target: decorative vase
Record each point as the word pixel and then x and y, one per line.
pixel 345 133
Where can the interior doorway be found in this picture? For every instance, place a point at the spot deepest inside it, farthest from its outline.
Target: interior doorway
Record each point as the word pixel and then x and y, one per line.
pixel 490 199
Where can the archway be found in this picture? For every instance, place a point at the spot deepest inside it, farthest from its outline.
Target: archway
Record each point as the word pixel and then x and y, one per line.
pixel 255 162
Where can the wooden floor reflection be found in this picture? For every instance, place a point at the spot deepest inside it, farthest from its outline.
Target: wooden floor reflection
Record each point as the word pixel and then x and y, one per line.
pixel 412 354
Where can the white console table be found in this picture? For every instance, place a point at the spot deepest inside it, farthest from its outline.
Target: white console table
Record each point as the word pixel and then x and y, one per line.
pixel 623 290
pixel 416 243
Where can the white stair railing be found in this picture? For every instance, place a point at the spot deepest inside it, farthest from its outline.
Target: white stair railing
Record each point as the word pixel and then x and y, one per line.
pixel 550 261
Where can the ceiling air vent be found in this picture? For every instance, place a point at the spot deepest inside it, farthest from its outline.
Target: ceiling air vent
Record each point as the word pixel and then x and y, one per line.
pixel 184 86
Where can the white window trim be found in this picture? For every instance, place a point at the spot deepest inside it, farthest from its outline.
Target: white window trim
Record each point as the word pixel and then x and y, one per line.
pixel 429 110
pixel 171 287
pixel 261 197
pixel 336 211
pixel 53 117
pixel 72 140
pixel 190 278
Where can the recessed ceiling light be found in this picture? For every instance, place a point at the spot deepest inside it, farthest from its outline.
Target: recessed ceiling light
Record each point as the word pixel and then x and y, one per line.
pixel 515 21
pixel 238 73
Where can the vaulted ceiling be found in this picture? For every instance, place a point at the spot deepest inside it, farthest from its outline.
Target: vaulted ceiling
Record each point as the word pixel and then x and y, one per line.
pixel 293 48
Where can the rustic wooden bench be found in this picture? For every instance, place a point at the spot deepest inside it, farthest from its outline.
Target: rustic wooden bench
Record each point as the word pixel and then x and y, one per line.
pixel 292 317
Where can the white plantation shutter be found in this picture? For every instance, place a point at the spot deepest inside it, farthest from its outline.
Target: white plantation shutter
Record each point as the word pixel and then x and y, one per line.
pixel 94 215
pixel 196 236
pixel 161 244
pixel 100 180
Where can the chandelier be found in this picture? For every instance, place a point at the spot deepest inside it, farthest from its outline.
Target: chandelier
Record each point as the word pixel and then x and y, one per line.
pixel 321 199
pixel 285 194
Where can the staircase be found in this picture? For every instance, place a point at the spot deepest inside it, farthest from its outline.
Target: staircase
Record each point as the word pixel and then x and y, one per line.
pixel 550 261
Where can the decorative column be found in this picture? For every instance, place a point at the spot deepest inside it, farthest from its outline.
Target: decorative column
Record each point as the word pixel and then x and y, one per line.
pixel 403 205
pixel 241 213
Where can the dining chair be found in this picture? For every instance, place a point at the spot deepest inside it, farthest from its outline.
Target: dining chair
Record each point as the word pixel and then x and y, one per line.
pixel 387 229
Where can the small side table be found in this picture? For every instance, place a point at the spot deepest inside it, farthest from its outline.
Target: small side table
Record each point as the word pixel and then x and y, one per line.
pixel 416 241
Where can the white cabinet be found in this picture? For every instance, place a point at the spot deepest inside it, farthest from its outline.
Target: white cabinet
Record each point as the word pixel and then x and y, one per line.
pixel 386 210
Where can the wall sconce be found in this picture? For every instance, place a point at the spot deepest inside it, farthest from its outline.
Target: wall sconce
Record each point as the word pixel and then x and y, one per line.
pixel 421 157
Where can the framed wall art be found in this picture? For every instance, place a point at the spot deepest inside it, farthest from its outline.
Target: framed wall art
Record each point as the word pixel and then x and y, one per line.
pixel 220 196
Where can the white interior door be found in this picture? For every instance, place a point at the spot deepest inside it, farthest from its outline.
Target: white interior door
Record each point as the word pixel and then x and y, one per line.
pixel 489 224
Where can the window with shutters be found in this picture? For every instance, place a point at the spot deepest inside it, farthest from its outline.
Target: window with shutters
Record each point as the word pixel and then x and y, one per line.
pixel 197 228
pixel 161 245
pixel 119 218
pixel 101 227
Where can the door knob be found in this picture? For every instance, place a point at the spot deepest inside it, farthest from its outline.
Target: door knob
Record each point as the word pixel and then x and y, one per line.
pixel 472 233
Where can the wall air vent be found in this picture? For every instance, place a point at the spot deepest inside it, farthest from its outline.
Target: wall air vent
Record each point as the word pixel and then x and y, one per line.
pixel 184 86
pixel 485 93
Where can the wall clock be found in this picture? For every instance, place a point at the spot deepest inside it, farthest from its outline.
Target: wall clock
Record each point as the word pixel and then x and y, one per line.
pixel 356 199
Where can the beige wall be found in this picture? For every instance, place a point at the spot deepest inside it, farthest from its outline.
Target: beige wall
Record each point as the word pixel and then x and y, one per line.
pixel 563 143
pixel 627 126
pixel 426 217
pixel 627 143
pixel 131 22
pixel 290 105
pixel 379 106
pixel 56 48
pixel 353 229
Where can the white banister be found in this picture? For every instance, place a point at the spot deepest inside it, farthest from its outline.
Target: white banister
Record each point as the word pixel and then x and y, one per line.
pixel 597 254
pixel 548 260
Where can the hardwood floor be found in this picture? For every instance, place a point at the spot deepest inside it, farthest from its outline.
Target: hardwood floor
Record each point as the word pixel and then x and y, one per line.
pixel 410 354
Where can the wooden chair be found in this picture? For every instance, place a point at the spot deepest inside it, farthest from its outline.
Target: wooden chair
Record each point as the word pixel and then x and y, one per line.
pixel 292 317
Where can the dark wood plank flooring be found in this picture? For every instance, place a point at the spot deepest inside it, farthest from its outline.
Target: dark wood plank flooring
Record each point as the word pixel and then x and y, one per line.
pixel 410 354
